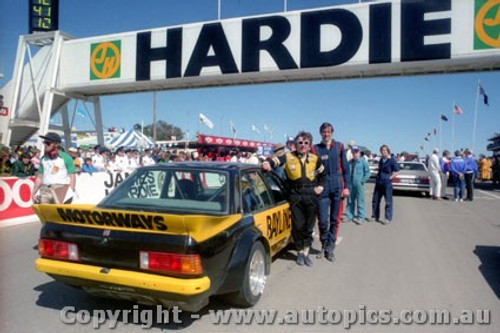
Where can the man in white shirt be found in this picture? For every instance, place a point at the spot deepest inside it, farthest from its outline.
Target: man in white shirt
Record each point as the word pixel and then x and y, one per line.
pixel 147 159
pixel 435 175
pixel 121 160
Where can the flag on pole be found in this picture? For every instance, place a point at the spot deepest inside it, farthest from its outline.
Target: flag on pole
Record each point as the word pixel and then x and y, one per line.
pixel 233 129
pixel 80 112
pixel 483 93
pixel 443 117
pixel 255 129
pixel 457 110
pixel 205 121
pixel 435 132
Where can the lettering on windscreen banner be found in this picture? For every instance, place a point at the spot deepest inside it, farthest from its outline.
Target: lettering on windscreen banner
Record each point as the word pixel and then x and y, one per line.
pixel 113 219
pixel 145 186
pixel 115 179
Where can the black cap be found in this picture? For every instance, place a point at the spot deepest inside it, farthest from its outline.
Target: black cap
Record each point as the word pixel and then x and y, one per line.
pixel 103 150
pixel 51 136
pixel 119 149
pixel 96 147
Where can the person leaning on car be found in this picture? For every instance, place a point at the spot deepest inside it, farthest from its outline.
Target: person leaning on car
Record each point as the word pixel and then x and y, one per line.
pixel 305 175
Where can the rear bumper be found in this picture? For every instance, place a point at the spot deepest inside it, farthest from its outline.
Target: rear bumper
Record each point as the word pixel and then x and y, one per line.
pixel 188 294
pixel 411 187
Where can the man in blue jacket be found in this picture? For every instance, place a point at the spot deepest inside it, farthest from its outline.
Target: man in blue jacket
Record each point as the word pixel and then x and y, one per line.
pixel 337 185
pixel 457 169
pixel 388 168
pixel 471 172
pixel 360 173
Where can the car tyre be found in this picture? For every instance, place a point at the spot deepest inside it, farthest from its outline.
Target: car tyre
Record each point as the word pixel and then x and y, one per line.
pixel 254 280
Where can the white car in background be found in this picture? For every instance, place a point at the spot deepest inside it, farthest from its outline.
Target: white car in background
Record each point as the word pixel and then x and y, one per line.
pixel 413 176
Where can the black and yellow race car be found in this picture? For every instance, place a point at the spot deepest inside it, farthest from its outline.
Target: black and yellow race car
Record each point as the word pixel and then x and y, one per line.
pixel 172 234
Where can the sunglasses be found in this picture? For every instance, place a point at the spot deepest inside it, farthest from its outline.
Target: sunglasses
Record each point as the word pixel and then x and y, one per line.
pixel 48 143
pixel 303 143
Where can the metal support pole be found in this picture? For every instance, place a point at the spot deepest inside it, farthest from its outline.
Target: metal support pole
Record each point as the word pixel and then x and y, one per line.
pixel 98 120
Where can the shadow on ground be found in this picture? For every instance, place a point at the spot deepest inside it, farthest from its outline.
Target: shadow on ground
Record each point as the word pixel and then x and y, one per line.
pixel 490 265
pixel 57 296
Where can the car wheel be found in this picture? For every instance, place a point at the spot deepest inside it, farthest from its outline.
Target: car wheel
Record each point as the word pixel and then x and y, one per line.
pixel 254 280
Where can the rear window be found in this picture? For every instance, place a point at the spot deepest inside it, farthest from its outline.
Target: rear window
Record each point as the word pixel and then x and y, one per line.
pixel 412 166
pixel 172 190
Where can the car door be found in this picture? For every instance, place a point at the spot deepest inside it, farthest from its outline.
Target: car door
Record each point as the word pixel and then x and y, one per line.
pixel 266 201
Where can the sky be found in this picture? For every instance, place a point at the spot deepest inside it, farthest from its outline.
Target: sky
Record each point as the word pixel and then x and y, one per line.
pixel 374 111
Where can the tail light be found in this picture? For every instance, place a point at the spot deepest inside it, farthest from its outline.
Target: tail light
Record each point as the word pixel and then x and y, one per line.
pixel 396 180
pixel 48 248
pixel 423 180
pixel 188 264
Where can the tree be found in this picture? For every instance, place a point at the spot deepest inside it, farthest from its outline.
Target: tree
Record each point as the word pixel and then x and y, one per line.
pixel 164 130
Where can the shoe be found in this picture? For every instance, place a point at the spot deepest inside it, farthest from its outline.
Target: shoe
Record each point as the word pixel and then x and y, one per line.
pixel 461 200
pixel 385 222
pixel 355 220
pixel 330 256
pixel 320 254
pixel 308 261
pixel 456 200
pixel 367 219
pixel 300 259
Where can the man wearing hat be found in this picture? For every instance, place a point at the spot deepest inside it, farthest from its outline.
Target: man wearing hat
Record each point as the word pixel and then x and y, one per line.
pixel 279 150
pixel 290 144
pixel 77 160
pixel 147 159
pixel 101 160
pixel 360 173
pixel 56 178
pixel 121 160
pixel 23 167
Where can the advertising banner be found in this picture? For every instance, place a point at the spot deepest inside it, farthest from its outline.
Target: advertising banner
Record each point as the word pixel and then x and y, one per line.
pixel 15 193
pixel 15 197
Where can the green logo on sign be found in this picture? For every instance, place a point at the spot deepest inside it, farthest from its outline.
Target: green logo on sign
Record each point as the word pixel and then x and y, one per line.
pixel 105 59
pixel 487 24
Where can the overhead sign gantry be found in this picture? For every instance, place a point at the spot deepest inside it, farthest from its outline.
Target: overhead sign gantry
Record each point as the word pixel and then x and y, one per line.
pixel 383 38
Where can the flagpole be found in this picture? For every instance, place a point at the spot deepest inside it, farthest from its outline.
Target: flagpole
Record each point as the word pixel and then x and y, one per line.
pixel 218 9
pixel 475 120
pixel 440 134
pixel 453 128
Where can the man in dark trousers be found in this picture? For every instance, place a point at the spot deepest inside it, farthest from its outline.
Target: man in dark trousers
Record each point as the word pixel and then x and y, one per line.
pixel 337 185
pixel 305 175
pixel 471 172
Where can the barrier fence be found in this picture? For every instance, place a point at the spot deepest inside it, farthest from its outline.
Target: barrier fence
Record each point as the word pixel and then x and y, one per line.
pixel 16 193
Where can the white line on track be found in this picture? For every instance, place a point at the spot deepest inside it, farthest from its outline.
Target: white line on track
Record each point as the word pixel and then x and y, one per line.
pixel 491 195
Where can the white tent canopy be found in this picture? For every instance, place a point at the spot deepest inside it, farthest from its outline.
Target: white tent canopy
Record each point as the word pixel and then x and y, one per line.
pixel 132 139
